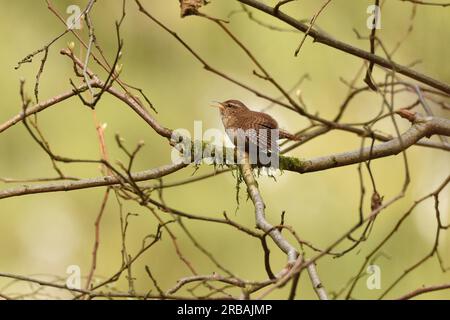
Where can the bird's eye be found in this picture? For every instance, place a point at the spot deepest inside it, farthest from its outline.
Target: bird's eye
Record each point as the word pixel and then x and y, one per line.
pixel 231 105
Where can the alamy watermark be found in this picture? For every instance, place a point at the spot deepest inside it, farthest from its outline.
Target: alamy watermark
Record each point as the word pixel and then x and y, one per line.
pixel 374 20
pixel 74 20
pixel 261 146
pixel 73 280
pixel 373 281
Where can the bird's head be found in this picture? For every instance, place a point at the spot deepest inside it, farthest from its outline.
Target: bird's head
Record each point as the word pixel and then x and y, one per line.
pixel 231 107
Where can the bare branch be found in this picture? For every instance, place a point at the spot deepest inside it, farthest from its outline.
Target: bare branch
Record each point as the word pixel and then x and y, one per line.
pixel 323 38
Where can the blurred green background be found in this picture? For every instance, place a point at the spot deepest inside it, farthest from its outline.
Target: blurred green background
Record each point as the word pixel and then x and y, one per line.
pixel 44 234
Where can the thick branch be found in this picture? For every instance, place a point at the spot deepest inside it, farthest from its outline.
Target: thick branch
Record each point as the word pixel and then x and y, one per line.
pixel 317 284
pixel 274 233
pixel 261 222
pixel 422 127
pixel 92 182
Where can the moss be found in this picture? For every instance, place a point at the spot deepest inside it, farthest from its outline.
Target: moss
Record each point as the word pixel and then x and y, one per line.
pixel 285 163
pixel 291 164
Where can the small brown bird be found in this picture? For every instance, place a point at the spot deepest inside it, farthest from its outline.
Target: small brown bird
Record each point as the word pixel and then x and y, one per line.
pixel 258 126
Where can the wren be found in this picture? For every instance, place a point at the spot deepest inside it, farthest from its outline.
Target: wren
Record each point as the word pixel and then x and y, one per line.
pixel 256 130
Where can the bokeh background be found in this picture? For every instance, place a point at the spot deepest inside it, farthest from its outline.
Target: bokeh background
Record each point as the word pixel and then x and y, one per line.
pixel 44 234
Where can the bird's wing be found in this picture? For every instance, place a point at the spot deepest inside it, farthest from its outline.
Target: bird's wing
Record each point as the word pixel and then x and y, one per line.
pixel 259 128
pixel 262 119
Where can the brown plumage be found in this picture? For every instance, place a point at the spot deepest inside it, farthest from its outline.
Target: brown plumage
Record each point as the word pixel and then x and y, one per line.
pixel 258 125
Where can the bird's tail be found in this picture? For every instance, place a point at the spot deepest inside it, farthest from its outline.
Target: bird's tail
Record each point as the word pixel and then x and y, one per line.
pixel 286 135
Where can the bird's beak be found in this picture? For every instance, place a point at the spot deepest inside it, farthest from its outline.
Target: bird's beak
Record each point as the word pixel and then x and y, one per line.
pixel 218 104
